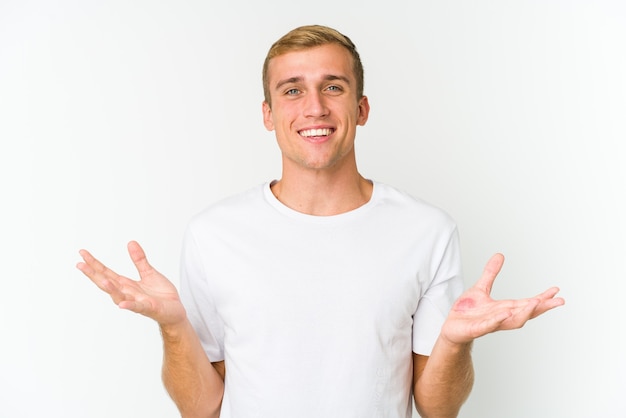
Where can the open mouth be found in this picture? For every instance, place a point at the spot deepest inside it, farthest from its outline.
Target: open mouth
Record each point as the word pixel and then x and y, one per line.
pixel 316 133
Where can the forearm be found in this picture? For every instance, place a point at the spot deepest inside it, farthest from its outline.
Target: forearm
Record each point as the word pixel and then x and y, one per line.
pixel 445 382
pixel 188 375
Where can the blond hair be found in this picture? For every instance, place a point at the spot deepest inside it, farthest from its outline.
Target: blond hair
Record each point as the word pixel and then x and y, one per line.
pixel 310 36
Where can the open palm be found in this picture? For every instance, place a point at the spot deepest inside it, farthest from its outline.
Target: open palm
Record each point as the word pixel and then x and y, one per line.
pixel 153 295
pixel 475 313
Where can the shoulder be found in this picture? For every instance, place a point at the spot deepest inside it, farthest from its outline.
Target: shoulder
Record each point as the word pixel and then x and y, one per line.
pixel 408 207
pixel 230 208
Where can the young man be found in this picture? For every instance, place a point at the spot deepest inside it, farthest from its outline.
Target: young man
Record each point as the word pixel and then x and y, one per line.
pixel 322 294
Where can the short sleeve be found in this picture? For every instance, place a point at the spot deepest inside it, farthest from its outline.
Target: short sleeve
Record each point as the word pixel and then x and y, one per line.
pixel 437 300
pixel 196 297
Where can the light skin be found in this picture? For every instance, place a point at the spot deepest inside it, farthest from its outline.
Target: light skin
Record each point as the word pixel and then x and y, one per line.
pixel 313 92
pixel 315 113
pixel 195 384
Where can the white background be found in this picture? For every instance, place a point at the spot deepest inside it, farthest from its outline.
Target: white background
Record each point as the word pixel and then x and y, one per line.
pixel 119 120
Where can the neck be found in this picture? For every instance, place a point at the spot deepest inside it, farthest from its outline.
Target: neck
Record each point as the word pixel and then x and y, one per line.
pixel 322 192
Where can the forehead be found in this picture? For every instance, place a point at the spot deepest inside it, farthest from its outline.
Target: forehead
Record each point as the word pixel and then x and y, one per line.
pixel 318 61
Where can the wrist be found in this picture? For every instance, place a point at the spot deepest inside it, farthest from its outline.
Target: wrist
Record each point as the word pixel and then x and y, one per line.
pixel 175 331
pixel 453 346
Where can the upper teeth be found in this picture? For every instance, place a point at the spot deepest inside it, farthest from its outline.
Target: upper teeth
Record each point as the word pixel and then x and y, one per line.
pixel 316 132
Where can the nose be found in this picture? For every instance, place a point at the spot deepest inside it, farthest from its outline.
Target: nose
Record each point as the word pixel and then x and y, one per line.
pixel 315 105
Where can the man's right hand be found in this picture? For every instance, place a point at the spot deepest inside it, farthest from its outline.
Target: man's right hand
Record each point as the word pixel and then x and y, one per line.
pixel 194 383
pixel 153 295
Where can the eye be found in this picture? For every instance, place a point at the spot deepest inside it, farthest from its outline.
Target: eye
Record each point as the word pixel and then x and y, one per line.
pixel 292 92
pixel 334 89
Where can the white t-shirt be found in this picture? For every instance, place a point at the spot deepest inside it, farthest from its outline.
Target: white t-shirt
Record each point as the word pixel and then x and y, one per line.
pixel 318 316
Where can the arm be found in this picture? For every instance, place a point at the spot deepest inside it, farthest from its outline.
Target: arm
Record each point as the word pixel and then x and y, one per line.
pixel 194 383
pixel 443 381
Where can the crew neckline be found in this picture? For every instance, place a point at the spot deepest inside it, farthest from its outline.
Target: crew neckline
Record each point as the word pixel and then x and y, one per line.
pixel 286 210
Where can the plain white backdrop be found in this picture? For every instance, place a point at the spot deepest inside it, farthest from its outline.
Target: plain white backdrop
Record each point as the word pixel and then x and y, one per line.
pixel 119 120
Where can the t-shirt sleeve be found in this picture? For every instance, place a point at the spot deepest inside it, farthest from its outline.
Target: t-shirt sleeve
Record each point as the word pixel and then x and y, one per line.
pixel 196 297
pixel 445 287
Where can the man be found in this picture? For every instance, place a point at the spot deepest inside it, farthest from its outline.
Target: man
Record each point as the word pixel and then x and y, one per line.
pixel 322 294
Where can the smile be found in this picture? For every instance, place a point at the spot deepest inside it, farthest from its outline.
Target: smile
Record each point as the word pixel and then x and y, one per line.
pixel 308 133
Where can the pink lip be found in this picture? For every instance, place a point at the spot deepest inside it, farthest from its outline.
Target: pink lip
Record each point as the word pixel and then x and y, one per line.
pixel 316 139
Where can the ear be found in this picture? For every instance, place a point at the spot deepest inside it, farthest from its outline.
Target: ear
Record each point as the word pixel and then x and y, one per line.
pixel 268 121
pixel 364 111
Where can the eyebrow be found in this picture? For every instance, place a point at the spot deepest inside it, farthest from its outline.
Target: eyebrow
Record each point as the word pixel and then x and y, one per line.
pixel 329 77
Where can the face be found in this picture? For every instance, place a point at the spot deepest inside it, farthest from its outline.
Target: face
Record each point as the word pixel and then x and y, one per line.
pixel 314 110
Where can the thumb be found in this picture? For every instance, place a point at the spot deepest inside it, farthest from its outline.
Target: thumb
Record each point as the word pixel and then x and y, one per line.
pixel 492 268
pixel 138 256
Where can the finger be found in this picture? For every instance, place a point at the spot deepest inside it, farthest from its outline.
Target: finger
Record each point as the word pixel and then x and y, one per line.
pixel 492 323
pixel 548 301
pixel 138 256
pixel 129 305
pixel 94 269
pixel 137 305
pixel 523 315
pixel 90 273
pixel 106 279
pixel 548 294
pixel 491 270
pixel 546 298
pixel 104 284
pixel 548 305
pixel 116 292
